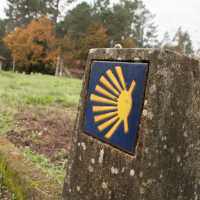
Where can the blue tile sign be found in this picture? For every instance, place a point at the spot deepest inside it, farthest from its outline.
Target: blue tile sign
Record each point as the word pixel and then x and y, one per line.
pixel 114 102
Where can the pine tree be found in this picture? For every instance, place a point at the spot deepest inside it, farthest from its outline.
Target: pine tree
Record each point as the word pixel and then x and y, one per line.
pixel 21 12
pixel 117 18
pixel 182 42
pixel 166 41
pixel 78 20
pixel 128 18
pixel 53 8
pixel 3 50
pixel 144 30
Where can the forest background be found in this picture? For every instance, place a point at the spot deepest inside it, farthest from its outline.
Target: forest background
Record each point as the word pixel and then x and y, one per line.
pixel 35 38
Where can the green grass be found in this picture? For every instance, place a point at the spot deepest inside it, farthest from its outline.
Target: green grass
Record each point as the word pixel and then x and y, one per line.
pixel 6 120
pixel 19 89
pixel 55 171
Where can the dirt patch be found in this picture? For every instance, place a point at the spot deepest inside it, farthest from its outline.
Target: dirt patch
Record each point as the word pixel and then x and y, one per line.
pixel 5 194
pixel 46 131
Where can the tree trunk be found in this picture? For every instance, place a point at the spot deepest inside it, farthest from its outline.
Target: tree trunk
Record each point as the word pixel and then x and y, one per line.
pixel 14 64
pixel 61 68
pixel 67 72
pixel 57 66
pixel 56 12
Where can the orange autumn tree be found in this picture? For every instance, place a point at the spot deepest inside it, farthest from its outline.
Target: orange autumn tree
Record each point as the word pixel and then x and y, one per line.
pixel 129 42
pixel 95 37
pixel 64 54
pixel 33 45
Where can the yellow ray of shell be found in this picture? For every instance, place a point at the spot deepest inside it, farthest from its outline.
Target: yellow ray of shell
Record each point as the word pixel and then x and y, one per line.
pixel 99 99
pixel 106 83
pixel 102 91
pixel 101 117
pixel 107 123
pixel 121 76
pixel 103 108
pixel 114 80
pixel 126 125
pixel 132 87
pixel 110 133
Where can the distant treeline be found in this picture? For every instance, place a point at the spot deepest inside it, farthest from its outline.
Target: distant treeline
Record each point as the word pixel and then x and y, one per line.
pixel 36 38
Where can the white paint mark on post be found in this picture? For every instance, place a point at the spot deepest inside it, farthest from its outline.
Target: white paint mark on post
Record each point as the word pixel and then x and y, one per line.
pixel 93 161
pixel 101 156
pixel 104 185
pixel 90 169
pixel 132 172
pixel 114 170
pixel 83 146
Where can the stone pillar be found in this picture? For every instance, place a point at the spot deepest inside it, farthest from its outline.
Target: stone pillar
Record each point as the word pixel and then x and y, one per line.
pixel 166 162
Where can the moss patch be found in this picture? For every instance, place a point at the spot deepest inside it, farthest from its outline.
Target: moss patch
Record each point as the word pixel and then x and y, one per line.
pixel 23 178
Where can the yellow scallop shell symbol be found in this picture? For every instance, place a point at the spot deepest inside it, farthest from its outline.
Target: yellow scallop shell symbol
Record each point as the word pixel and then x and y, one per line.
pixel 116 102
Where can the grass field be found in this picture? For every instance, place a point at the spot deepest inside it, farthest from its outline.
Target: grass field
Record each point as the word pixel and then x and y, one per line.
pixel 18 90
pixel 42 96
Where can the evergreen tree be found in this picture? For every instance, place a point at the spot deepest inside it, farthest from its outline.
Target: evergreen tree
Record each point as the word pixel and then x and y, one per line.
pixel 22 12
pixel 117 19
pixel 78 20
pixel 128 18
pixel 4 51
pixel 166 41
pixel 182 42
pixel 101 5
pixel 127 22
pixel 102 10
pixel 53 8
pixel 144 29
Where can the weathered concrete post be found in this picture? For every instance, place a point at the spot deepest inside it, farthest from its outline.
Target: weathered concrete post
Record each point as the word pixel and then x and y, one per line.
pixel 119 154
